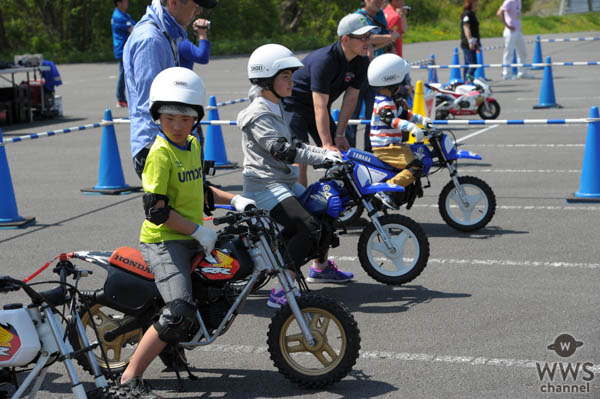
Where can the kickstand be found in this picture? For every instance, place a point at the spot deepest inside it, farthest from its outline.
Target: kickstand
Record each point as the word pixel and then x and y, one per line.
pixel 179 363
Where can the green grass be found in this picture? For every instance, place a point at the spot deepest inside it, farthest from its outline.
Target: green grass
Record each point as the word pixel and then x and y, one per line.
pixel 446 29
pixel 532 25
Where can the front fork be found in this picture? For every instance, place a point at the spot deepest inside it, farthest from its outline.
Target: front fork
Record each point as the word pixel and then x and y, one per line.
pixel 459 188
pixel 387 240
pixel 275 258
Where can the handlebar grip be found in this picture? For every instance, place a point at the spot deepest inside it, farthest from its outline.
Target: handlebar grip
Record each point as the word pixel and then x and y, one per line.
pixel 8 284
pixel 230 218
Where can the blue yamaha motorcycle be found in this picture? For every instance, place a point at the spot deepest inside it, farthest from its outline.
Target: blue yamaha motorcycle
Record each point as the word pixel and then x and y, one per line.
pixel 466 203
pixel 393 249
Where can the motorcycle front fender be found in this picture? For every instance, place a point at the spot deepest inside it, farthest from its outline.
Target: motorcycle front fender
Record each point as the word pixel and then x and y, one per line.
pixel 463 154
pixel 490 99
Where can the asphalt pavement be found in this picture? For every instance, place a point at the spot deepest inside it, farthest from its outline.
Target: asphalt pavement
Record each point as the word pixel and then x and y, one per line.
pixel 477 323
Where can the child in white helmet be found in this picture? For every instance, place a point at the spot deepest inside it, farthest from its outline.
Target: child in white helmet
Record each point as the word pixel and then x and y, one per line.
pixel 270 150
pixel 173 232
pixel 391 123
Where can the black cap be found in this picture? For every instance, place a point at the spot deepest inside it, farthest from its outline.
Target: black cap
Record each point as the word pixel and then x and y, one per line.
pixel 206 3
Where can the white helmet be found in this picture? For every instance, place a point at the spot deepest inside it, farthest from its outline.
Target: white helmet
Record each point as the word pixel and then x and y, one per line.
pixel 387 70
pixel 179 86
pixel 269 59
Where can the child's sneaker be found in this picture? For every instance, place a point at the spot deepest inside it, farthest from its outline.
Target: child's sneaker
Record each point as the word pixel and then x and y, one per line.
pixel 277 299
pixel 331 274
pixel 386 199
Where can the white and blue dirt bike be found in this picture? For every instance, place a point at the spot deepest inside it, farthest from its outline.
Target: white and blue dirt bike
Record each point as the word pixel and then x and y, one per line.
pixel 466 203
pixel 392 249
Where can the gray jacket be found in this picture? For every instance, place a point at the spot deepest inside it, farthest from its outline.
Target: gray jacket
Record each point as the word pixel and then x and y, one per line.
pixel 261 128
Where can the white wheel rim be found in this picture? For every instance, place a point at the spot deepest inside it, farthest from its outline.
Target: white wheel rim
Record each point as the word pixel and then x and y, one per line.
pixel 467 215
pixel 403 260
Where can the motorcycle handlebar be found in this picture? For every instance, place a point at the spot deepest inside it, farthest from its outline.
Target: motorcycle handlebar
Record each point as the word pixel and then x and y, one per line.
pixel 230 218
pixel 8 284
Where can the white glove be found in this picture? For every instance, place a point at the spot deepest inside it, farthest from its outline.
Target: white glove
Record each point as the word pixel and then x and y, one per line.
pixel 242 203
pixel 206 237
pixel 426 121
pixel 417 133
pixel 333 156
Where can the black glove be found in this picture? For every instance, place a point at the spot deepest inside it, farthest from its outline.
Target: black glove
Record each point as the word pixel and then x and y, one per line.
pixel 387 116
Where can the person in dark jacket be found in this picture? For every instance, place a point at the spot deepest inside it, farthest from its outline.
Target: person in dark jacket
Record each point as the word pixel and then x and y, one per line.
pixel 469 36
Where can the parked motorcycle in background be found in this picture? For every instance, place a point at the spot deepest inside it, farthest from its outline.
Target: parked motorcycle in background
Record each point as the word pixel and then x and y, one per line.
pixel 464 99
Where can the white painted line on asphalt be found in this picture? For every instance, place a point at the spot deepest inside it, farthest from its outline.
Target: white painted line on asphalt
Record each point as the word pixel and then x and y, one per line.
pixel 531 207
pixel 493 262
pixel 402 356
pixel 526 145
pixel 489 170
pixel 476 133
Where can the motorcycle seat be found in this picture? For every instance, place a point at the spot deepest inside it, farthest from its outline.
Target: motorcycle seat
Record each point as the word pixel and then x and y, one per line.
pixel 131 260
pixel 370 159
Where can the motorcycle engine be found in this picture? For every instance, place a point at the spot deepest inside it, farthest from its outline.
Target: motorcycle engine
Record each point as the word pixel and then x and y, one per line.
pixel 213 302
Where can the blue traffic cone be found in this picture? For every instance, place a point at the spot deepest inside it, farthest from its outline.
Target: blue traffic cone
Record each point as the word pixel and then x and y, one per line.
pixel 589 186
pixel 215 146
pixel 9 215
pixel 515 70
pixel 537 54
pixel 455 72
pixel 432 72
pixel 480 72
pixel 547 99
pixel 110 175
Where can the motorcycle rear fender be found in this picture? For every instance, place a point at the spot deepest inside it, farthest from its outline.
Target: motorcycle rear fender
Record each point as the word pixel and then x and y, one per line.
pixel 463 154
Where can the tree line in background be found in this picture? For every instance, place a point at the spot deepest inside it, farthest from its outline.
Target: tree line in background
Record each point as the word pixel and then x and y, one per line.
pixel 79 30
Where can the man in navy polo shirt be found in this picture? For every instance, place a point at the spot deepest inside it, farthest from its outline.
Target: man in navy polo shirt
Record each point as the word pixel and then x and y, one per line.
pixel 328 72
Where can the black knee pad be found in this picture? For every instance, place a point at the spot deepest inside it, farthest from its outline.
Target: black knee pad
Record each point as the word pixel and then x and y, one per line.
pixel 176 321
pixel 302 231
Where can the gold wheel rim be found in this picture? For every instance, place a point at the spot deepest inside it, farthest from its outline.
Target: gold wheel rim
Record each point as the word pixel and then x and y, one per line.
pixel 113 349
pixel 296 350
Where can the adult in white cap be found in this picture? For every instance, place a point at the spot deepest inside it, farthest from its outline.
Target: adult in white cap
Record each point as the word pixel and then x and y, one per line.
pixel 328 72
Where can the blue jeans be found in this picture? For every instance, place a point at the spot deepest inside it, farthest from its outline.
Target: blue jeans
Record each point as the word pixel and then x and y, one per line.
pixel 470 58
pixel 121 82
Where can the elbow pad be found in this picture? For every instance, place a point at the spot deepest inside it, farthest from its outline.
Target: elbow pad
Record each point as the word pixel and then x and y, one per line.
pixel 284 151
pixel 156 215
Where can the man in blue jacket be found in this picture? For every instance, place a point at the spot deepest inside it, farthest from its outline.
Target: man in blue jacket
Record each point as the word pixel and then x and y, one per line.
pixel 151 48
pixel 122 24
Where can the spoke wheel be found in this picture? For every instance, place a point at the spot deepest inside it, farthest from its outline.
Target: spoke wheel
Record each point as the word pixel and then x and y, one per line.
pixel 404 261
pixel 118 351
pixel 472 216
pixel 334 353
